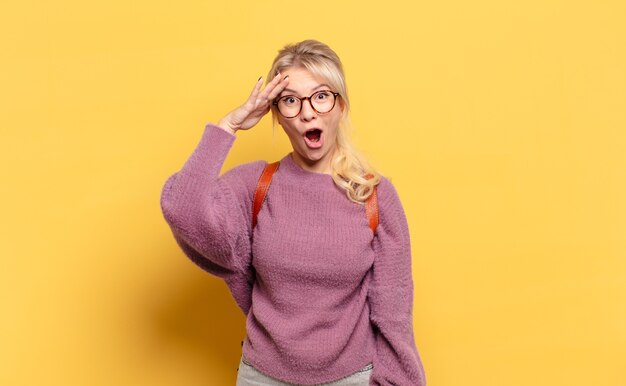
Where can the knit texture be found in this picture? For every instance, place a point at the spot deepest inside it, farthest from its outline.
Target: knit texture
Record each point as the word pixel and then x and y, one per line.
pixel 322 295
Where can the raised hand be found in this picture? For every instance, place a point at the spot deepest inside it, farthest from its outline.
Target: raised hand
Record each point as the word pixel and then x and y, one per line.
pixel 256 106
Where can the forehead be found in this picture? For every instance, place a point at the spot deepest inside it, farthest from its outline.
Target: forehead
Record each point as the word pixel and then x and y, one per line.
pixel 302 81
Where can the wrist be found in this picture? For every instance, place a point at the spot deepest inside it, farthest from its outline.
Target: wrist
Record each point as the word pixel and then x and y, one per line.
pixel 222 124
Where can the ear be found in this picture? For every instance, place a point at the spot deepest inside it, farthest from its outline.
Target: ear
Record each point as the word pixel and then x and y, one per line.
pixel 276 117
pixel 342 105
pixel 279 120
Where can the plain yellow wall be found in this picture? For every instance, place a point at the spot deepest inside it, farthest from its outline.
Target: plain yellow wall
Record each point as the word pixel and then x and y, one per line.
pixel 501 123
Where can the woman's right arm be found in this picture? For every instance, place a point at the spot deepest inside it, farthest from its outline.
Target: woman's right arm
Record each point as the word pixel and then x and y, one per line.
pixel 206 213
pixel 210 216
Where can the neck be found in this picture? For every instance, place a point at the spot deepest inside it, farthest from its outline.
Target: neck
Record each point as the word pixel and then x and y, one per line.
pixel 322 166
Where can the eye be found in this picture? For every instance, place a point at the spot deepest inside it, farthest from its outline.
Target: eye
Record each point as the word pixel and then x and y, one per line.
pixel 289 100
pixel 322 95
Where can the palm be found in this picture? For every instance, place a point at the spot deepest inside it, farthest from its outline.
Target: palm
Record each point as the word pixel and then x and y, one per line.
pixel 257 105
pixel 250 114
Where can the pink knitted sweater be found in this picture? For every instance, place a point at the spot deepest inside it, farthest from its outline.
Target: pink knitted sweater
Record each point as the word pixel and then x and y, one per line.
pixel 322 295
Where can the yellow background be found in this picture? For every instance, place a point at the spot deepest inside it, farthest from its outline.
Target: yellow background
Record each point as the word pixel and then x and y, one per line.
pixel 501 123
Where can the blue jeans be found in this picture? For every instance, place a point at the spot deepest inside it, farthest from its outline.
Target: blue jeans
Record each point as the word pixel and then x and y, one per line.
pixel 249 376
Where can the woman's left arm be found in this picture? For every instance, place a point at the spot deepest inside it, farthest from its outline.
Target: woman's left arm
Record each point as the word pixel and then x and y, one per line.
pixel 390 297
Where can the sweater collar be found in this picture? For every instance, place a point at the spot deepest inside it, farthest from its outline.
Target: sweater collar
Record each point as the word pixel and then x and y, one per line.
pixel 296 170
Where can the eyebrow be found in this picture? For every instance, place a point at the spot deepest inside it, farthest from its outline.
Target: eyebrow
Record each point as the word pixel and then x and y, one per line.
pixel 294 91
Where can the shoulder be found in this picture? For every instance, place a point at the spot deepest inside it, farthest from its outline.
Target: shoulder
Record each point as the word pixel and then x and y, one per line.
pixel 244 177
pixel 391 211
pixel 246 169
pixel 387 193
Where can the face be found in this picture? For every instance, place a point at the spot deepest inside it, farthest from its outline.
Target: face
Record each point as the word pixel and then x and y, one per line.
pixel 312 134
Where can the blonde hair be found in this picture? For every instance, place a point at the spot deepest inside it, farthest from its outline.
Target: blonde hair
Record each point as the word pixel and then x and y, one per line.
pixel 350 169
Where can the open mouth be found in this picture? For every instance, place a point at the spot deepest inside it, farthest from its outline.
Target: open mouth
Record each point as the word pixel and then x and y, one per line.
pixel 313 135
pixel 314 139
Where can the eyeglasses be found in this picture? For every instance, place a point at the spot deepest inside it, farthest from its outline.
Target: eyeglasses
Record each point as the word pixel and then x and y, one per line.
pixel 289 106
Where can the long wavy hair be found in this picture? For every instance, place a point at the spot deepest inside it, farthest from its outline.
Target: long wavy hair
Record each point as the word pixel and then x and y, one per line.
pixel 350 169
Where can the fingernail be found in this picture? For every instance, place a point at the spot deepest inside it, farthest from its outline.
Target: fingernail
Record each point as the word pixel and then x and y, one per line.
pixel 260 77
pixel 285 78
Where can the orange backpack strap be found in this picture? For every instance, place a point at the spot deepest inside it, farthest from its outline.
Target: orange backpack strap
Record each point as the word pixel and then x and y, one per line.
pixel 371 211
pixel 261 189
pixel 371 208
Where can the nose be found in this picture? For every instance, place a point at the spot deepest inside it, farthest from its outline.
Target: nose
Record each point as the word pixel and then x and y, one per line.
pixel 307 113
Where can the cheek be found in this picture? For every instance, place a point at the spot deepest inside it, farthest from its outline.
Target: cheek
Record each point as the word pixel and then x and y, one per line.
pixel 334 122
pixel 289 130
pixel 282 123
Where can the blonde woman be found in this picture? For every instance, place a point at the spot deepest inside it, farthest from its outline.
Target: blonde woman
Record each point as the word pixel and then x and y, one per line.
pixel 324 282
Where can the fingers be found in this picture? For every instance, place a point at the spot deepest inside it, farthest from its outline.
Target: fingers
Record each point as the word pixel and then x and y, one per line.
pixel 255 91
pixel 274 87
pixel 259 101
pixel 280 86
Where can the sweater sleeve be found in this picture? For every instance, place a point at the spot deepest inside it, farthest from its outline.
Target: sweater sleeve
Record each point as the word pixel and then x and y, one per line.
pixel 390 296
pixel 210 216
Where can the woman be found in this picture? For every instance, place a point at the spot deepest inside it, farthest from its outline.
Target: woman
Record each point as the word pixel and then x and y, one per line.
pixel 328 300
